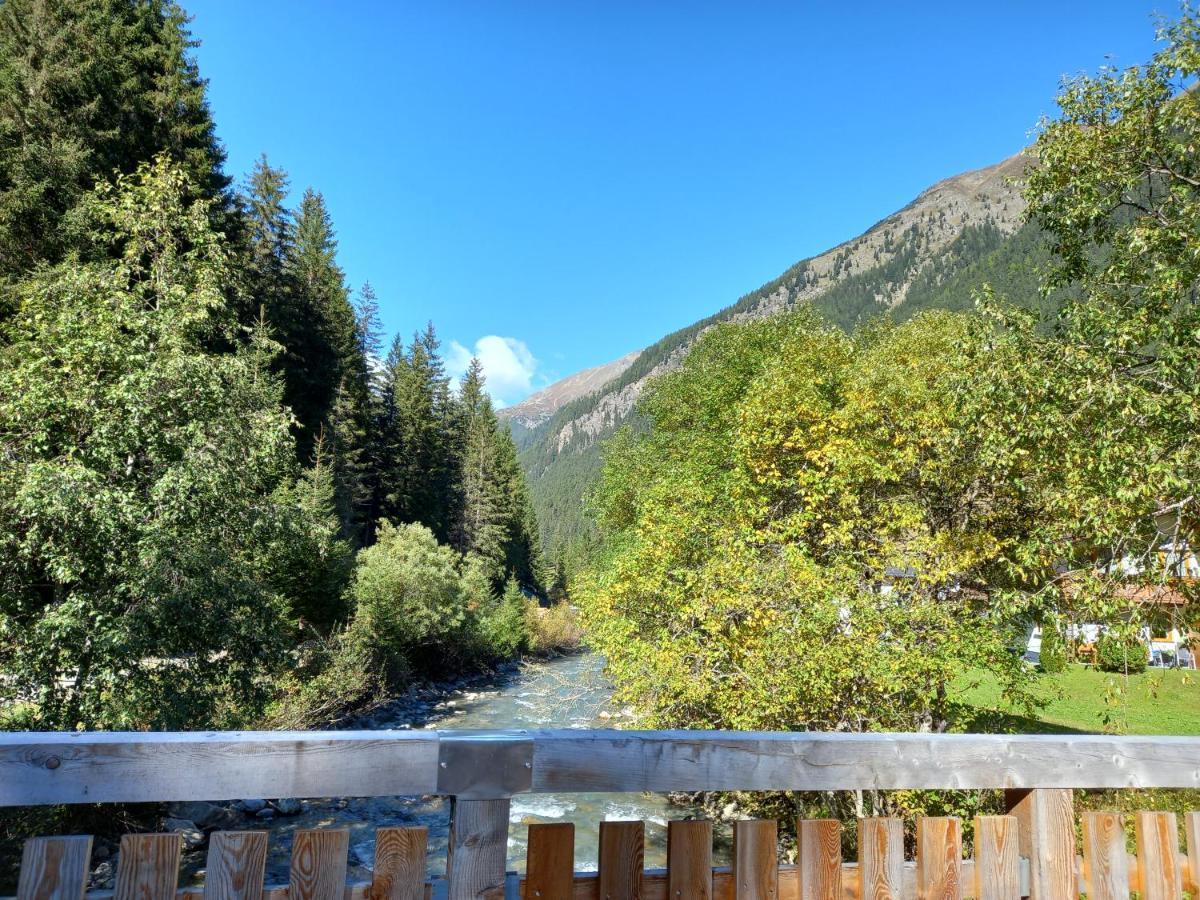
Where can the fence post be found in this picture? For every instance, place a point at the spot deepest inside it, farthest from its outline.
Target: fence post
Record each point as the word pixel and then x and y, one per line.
pixel 478 849
pixel 1046 836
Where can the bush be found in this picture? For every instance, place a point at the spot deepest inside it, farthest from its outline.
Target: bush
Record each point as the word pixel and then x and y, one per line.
pixel 1053 656
pixel 407 592
pixel 552 628
pixel 1121 653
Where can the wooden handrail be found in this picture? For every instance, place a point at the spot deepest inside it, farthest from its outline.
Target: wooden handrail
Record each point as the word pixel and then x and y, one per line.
pixel 51 768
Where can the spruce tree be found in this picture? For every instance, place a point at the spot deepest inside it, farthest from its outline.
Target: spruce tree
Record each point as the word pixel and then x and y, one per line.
pixel 89 88
pixel 421 467
pixel 481 526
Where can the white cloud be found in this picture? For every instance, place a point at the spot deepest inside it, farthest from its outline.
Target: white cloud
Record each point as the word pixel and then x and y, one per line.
pixel 508 366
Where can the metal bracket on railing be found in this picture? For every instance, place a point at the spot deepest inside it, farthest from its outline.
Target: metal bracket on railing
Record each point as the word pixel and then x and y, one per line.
pixel 475 765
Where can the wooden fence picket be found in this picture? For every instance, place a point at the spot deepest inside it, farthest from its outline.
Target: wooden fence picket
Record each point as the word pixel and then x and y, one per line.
pixel 997 859
pixel 399 872
pixel 148 867
pixel 550 861
pixel 54 868
pixel 819 843
pixel 1157 837
pixel 756 859
pixel 1191 827
pixel 622 851
pixel 880 858
pixel 689 859
pixel 318 867
pixel 236 862
pixel 939 858
pixel 1105 860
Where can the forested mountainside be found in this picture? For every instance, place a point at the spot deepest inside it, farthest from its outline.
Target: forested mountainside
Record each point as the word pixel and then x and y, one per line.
pixel 934 253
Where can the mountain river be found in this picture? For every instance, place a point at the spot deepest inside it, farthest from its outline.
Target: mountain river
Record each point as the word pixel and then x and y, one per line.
pixel 568 692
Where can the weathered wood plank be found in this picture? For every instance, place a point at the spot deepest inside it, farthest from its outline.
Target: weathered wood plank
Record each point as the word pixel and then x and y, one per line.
pixel 689 859
pixel 695 761
pixel 149 767
pixel 756 859
pixel 54 868
pixel 399 872
pixel 997 858
pixel 1046 829
pixel 622 850
pixel 881 858
pixel 475 860
pixel 1105 860
pixel 550 861
pixel 939 858
pixel 148 867
pixel 819 856
pixel 1157 839
pixel 43 768
pixel 318 866
pixel 236 864
pixel 1191 828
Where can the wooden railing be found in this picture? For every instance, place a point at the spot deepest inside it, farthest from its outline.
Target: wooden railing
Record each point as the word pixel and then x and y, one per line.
pixel 1031 852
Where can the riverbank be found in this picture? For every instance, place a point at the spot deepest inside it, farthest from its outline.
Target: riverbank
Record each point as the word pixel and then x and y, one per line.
pixel 564 691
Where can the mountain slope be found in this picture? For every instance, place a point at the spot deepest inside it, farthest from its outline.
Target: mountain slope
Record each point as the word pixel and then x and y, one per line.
pixel 934 252
pixel 537 408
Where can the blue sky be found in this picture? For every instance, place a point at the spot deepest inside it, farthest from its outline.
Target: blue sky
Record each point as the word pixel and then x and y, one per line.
pixel 557 183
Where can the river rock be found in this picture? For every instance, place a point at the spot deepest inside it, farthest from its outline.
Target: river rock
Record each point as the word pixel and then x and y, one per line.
pixel 265 813
pixel 192 836
pixel 251 806
pixel 207 816
pixel 288 806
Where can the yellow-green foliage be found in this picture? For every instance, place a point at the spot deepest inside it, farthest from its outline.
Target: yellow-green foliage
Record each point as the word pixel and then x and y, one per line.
pixel 751 533
pixel 552 628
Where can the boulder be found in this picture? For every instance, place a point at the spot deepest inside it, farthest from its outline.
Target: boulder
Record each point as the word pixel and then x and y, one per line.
pixel 207 816
pixel 193 837
pixel 251 806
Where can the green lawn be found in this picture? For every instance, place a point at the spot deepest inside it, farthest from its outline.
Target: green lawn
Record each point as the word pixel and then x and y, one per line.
pixel 1162 701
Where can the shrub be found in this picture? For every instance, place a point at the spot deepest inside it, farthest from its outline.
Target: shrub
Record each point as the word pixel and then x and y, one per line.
pixel 1121 653
pixel 407 591
pixel 1053 656
pixel 555 627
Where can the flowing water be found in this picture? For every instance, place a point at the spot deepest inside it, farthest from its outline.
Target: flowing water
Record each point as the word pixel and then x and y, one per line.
pixel 569 692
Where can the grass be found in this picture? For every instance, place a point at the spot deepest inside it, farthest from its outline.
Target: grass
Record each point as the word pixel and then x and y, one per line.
pixel 1082 699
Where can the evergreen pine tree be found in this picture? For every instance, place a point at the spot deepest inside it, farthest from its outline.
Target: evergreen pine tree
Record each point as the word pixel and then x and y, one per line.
pixel 481 526
pixel 89 88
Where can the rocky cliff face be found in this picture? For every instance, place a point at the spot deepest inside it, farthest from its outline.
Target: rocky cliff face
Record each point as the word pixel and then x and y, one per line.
pixel 890 255
pixel 536 409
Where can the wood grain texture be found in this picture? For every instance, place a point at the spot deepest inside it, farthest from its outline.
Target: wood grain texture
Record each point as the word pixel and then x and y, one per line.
pixel 689 859
pixel 939 858
pixel 47 768
pixel 550 861
pixel 1191 829
pixel 54 868
pixel 997 858
pixel 696 760
pixel 116 767
pixel 1157 838
pixel 478 848
pixel 318 866
pixel 236 863
pixel 1105 860
pixel 148 867
pixel 399 872
pixel 881 858
pixel 622 851
pixel 756 859
pixel 1046 829
pixel 819 857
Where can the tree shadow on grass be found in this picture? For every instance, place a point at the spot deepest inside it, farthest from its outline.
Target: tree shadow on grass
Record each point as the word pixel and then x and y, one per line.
pixel 977 720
